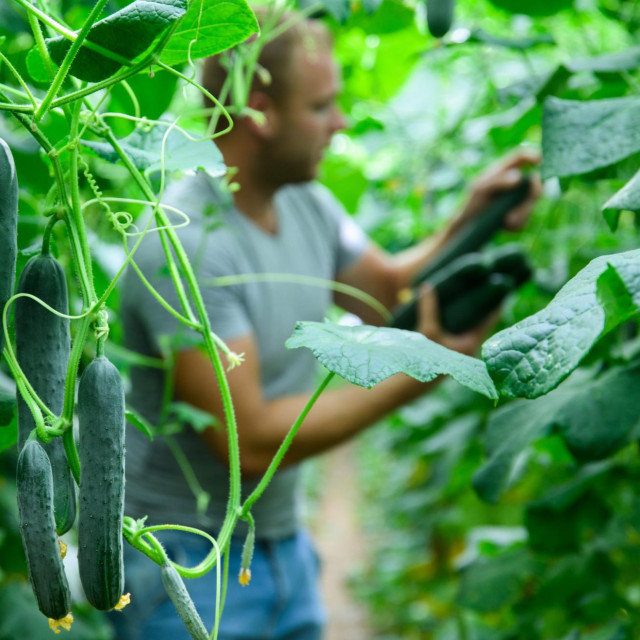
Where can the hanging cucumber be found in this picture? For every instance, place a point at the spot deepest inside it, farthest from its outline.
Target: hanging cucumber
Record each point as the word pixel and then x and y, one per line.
pixel 477 231
pixel 509 259
pixel 469 310
pixel 101 450
pixel 439 16
pixel 8 227
pixel 453 280
pixel 38 529
pixel 42 349
pixel 177 592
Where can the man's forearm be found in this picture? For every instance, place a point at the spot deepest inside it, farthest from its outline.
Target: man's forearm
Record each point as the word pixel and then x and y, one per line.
pixel 337 415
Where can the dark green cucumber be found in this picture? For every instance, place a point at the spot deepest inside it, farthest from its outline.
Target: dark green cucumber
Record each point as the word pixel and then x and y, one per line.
pixel 464 273
pixel 177 592
pixel 8 227
pixel 469 310
pixel 42 348
pixel 38 529
pixel 478 231
pixel 509 259
pixel 439 16
pixel 101 451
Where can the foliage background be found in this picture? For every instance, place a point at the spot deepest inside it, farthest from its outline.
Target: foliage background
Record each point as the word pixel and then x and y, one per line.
pixel 555 556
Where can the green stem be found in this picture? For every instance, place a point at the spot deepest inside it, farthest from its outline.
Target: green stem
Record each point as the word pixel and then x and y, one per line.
pixel 46 238
pixel 175 276
pixel 72 454
pixel 72 368
pixel 68 59
pixel 201 496
pixel 286 443
pixel 41 44
pixel 75 242
pixel 80 235
pixel 224 281
pixel 192 284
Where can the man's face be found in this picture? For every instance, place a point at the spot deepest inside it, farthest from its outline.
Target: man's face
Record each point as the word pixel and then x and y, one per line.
pixel 306 118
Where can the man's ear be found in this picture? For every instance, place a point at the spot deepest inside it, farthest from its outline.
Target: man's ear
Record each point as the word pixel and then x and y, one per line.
pixel 263 122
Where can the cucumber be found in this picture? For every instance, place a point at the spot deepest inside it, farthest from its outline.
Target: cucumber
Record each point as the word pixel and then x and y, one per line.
pixel 37 526
pixel 469 310
pixel 42 349
pixel 509 259
pixel 439 16
pixel 463 274
pixel 478 231
pixel 177 592
pixel 101 451
pixel 8 227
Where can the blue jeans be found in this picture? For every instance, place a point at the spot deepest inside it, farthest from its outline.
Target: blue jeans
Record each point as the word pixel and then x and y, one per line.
pixel 282 602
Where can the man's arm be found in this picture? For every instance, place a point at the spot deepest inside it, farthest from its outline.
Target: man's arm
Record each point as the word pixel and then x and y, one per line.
pixel 337 415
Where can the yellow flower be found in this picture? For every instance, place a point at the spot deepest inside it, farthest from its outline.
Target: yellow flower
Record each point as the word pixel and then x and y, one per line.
pixel 245 577
pixel 125 599
pixel 63 548
pixel 65 623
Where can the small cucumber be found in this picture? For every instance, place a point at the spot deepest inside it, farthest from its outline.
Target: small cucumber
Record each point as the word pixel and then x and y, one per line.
pixel 439 16
pixel 101 451
pixel 509 259
pixel 478 231
pixel 42 348
pixel 177 592
pixel 8 227
pixel 469 310
pixel 37 526
pixel 459 276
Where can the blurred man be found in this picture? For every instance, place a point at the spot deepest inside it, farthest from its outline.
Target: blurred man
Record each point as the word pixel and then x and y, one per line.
pixel 279 221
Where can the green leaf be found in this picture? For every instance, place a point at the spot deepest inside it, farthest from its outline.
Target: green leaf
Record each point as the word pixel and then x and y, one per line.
pixel 491 583
pixel 627 199
pixel 36 66
pixel 144 148
pixel 7 407
pixel 626 60
pixel 535 355
pixel 366 355
pixel 212 26
pixel 578 137
pixel 595 416
pixel 140 423
pixel 533 7
pixel 126 33
pixel 197 418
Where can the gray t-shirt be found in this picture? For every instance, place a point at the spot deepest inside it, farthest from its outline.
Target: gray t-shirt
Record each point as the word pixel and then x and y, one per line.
pixel 315 237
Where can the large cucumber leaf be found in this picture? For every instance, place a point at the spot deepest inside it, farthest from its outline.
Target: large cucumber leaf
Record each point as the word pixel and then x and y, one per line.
pixel 578 137
pixel 596 416
pixel 126 33
pixel 533 356
pixel 209 27
pixel 367 355
pixel 144 148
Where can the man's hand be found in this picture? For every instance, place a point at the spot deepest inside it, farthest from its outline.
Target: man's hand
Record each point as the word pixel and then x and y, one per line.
pixel 502 176
pixel 429 325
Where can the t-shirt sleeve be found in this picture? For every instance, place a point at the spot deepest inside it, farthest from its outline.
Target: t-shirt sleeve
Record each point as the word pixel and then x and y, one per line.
pixel 351 241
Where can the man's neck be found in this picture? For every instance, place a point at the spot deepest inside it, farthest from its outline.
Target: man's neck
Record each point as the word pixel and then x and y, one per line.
pixel 255 197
